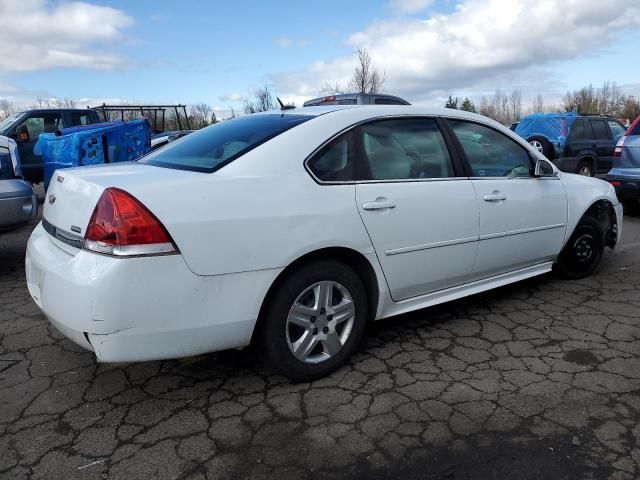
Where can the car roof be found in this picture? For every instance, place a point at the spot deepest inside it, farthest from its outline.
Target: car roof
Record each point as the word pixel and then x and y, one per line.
pixel 372 111
pixel 49 110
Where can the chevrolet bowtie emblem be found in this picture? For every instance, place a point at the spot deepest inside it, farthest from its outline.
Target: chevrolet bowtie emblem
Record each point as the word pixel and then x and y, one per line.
pixel 52 199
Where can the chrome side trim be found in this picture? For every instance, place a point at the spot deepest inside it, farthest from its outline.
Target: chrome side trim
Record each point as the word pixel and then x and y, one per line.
pixel 460 241
pixel 427 246
pixel 521 231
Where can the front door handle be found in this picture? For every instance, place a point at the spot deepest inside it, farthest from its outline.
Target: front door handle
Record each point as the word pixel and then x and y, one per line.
pixel 381 203
pixel 495 197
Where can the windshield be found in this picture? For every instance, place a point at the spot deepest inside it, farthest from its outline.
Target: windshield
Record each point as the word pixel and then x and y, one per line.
pixel 7 122
pixel 211 148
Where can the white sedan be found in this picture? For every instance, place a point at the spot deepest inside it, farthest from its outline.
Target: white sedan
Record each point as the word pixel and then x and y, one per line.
pixel 294 229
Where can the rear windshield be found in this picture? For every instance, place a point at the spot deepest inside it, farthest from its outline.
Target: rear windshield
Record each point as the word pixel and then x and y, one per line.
pixel 212 148
pixel 635 130
pixel 6 166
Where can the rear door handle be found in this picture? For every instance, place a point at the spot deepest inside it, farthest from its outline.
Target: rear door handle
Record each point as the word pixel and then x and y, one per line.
pixel 495 197
pixel 379 204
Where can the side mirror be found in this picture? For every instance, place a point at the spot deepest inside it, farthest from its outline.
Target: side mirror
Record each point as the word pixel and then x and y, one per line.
pixel 544 168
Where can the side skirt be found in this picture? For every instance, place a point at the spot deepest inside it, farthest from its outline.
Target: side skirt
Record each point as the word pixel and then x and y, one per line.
pixel 391 308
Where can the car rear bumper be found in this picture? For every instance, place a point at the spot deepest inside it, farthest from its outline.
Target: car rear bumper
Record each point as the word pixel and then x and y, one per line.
pixel 628 190
pixel 18 203
pixel 139 309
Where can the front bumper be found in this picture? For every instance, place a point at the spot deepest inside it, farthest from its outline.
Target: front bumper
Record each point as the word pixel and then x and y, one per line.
pixel 18 202
pixel 137 309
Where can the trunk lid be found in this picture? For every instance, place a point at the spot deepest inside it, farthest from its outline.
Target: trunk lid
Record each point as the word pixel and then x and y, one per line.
pixel 74 193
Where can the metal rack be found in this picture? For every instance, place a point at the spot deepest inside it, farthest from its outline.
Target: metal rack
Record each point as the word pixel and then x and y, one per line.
pixel 154 109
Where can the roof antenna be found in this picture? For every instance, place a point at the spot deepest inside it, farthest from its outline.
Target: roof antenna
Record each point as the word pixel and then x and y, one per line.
pixel 283 106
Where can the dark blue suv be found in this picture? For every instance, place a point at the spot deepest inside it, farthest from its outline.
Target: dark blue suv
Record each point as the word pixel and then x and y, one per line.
pixel 581 144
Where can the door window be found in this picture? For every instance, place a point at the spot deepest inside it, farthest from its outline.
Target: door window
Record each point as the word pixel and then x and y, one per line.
pixel 578 130
pixel 78 118
pixel 404 149
pixel 599 130
pixel 491 153
pixel 616 129
pixel 334 163
pixel 31 128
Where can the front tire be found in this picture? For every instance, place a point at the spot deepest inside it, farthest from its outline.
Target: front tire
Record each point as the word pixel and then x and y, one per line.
pixel 314 321
pixel 583 252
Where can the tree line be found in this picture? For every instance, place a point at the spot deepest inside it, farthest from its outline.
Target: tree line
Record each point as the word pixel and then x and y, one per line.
pixel 507 107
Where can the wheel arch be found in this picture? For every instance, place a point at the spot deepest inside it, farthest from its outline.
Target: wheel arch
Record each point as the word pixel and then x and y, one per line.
pixel 352 258
pixel 601 210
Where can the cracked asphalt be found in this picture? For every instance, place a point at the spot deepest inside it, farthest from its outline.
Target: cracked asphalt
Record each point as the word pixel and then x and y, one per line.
pixel 538 380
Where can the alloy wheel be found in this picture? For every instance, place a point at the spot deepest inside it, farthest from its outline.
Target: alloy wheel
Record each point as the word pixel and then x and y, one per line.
pixel 320 322
pixel 537 145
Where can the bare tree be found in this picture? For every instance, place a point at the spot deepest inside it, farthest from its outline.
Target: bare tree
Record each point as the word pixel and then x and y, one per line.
pixel 262 102
pixel 515 106
pixel 367 78
pixel 200 115
pixel 7 108
pixel 538 104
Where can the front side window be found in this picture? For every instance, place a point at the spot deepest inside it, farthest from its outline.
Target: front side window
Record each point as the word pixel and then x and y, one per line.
pixel 334 163
pixel 6 166
pixel 32 127
pixel 599 130
pixel 616 129
pixel 78 118
pixel 491 153
pixel 211 148
pixel 404 149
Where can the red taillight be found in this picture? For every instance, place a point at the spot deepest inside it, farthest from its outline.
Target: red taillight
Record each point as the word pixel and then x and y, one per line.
pixel 617 152
pixel 120 225
pixel 615 183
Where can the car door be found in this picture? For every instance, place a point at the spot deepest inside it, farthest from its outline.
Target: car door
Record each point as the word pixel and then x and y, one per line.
pixel 419 210
pixel 603 144
pixel 27 134
pixel 522 218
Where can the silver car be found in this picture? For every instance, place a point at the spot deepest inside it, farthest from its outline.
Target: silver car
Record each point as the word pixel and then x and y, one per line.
pixel 18 203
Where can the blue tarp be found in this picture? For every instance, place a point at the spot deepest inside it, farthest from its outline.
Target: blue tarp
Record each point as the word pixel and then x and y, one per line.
pixel 553 126
pixel 85 145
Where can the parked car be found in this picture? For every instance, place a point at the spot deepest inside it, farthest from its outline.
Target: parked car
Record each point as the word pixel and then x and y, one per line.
pixel 18 202
pixel 625 174
pixel 582 144
pixel 275 228
pixel 25 128
pixel 164 138
pixel 356 99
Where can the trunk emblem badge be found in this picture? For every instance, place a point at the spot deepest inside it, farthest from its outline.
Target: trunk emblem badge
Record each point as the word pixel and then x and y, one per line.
pixel 52 199
pixel 60 178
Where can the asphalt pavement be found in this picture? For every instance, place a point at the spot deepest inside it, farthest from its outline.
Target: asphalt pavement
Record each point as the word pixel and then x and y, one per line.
pixel 537 380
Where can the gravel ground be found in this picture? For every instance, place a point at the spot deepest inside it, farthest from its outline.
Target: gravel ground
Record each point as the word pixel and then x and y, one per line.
pixel 538 380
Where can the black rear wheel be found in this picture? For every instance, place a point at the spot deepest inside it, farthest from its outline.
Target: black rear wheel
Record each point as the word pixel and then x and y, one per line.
pixel 583 252
pixel 314 321
pixel 585 168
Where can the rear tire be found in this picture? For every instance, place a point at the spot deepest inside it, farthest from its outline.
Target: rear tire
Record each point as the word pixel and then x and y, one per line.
pixel 585 168
pixel 314 321
pixel 583 252
pixel 542 145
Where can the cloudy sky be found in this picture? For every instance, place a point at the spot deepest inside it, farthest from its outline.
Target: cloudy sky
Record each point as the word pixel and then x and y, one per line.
pixel 218 52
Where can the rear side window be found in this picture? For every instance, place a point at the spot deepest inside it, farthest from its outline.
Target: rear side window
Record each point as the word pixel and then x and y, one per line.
pixel 6 167
pixel 599 130
pixel 616 129
pixel 78 118
pixel 334 163
pixel 491 153
pixel 211 148
pixel 578 130
pixel 404 149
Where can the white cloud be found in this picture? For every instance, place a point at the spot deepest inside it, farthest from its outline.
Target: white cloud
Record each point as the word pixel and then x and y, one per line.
pixel 36 35
pixel 409 6
pixel 232 97
pixel 481 45
pixel 286 42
